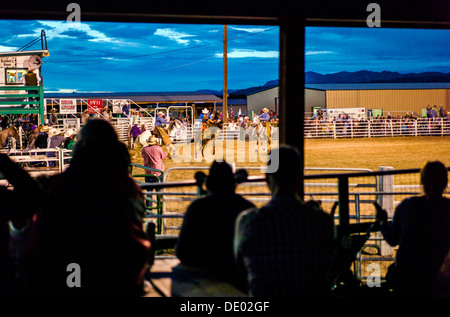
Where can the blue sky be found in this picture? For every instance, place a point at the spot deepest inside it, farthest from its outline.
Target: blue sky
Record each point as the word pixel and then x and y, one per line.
pixel 106 56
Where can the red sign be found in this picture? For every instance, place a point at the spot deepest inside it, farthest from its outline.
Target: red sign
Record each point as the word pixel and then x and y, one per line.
pixel 95 105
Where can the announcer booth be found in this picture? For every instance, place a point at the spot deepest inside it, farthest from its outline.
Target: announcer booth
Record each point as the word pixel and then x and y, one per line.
pixel 14 99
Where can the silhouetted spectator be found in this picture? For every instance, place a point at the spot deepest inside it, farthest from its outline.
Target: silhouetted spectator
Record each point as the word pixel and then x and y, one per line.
pixel 92 217
pixel 286 247
pixel 41 139
pixel 14 218
pixel 207 233
pixel 420 227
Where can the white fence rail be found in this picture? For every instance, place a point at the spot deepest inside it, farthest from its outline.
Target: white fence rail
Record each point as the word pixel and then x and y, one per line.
pixel 377 128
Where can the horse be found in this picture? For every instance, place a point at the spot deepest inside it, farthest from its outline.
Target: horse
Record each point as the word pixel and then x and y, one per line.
pixel 210 131
pixel 262 130
pixel 5 134
pixel 163 135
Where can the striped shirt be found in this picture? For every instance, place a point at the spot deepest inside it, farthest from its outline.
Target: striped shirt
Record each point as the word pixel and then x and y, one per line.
pixel 286 248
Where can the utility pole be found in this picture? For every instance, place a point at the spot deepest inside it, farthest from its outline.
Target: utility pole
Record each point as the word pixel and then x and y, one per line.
pixel 225 76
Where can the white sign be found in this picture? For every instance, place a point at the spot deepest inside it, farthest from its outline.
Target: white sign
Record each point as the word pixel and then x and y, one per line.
pixel 8 62
pixel 67 106
pixel 117 105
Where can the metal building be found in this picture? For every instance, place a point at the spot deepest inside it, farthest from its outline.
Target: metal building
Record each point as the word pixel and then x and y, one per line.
pixel 397 99
pixel 268 97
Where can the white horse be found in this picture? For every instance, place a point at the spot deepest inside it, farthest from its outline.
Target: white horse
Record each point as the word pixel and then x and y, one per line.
pixel 263 131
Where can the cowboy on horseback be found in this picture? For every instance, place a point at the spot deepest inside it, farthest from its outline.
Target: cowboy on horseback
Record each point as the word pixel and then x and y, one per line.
pixel 264 117
pixel 160 120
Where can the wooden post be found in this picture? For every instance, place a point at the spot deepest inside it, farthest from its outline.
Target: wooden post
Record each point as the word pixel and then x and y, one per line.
pixel 225 76
pixel 291 83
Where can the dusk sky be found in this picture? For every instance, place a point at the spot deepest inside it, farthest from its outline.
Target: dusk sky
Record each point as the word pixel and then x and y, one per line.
pixel 126 57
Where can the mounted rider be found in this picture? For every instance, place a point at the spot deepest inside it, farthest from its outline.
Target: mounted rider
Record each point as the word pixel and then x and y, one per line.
pixel 205 116
pixel 264 117
pixel 160 120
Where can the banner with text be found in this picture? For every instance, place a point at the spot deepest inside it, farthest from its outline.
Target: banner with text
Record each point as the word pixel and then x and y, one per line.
pixel 117 105
pixel 95 105
pixel 67 106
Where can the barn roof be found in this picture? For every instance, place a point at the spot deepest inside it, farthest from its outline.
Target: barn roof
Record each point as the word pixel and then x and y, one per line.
pixel 151 97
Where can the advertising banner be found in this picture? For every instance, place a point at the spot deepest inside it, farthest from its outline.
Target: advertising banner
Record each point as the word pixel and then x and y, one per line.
pixel 117 105
pixel 67 106
pixel 95 105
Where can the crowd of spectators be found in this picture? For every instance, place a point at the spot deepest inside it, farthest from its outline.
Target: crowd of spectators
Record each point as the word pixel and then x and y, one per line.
pixel 436 121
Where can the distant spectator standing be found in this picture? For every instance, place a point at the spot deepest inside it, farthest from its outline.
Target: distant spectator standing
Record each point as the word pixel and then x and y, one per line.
pixel 126 110
pixel 434 113
pixel 428 111
pixel 135 131
pixel 287 248
pixel 442 112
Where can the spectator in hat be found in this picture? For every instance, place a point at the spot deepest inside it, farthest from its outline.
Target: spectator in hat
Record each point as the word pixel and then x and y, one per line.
pixel 41 139
pixel 85 117
pixel 55 140
pixel 69 136
pixel 209 225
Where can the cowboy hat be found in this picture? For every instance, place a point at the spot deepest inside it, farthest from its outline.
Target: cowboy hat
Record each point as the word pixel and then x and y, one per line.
pixel 161 113
pixel 69 133
pixel 53 132
pixel 152 140
pixel 205 110
pixel 265 109
pixel 43 128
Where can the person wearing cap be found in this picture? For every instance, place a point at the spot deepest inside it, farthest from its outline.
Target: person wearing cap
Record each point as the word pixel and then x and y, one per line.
pixel 34 133
pixel 153 156
pixel 160 120
pixel 264 117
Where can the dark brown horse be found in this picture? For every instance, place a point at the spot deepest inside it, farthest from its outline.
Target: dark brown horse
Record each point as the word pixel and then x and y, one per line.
pixel 9 132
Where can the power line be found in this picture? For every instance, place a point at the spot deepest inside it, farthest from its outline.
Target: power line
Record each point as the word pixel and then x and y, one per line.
pixel 157 53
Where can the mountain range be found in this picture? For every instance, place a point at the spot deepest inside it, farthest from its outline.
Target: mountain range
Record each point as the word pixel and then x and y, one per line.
pixel 362 76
